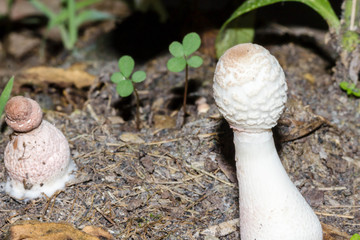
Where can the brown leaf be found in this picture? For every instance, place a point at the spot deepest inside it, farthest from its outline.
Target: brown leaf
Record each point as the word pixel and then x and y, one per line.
pixel 164 121
pixel 333 233
pixel 98 232
pixel 298 121
pixel 35 230
pixel 228 169
pixel 63 77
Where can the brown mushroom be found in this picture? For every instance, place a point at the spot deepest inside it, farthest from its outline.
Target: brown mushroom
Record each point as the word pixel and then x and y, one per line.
pixel 37 158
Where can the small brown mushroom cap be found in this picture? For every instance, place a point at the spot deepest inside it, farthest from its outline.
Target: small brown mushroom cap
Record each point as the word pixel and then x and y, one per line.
pixel 22 114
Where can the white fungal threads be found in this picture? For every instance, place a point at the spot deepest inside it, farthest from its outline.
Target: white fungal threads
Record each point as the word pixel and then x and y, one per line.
pixel 250 92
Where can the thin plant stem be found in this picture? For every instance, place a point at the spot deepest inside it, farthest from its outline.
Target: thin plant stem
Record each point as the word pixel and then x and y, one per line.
pixel 137 116
pixel 185 90
pixel 72 27
pixel 352 19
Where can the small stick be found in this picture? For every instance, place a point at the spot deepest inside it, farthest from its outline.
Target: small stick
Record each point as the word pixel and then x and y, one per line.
pixel 335 215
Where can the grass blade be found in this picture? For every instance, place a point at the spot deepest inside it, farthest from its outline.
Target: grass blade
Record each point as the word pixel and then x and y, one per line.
pixel 5 95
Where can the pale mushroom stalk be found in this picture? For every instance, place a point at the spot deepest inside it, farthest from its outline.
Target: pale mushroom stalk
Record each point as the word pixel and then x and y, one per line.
pixel 250 91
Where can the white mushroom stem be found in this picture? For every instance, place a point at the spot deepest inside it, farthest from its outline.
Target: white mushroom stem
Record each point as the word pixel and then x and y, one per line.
pixel 250 92
pixel 271 207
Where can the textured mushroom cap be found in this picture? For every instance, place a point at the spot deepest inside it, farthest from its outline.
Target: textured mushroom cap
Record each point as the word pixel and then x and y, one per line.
pixel 249 87
pixel 35 160
pixel 22 114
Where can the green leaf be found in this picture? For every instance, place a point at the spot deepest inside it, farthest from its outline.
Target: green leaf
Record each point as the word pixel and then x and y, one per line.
pixel 176 49
pixel 176 64
pixel 191 43
pixel 355 237
pixel 43 8
pixel 72 27
pixel 126 65
pixel 85 3
pixel 138 76
pixel 241 30
pixel 322 7
pixel 65 37
pixel 344 86
pixel 195 61
pixel 350 89
pixel 117 77
pixel 125 88
pixel 5 95
pixel 356 93
pixel 91 15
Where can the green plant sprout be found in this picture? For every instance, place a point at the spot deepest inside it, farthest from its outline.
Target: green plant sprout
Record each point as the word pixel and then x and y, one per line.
pixel 125 82
pixel 68 20
pixel 350 89
pixel 347 39
pixel 182 59
pixel 5 95
pixel 355 237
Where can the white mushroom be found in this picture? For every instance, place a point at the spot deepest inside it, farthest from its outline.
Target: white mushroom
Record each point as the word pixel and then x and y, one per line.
pixel 37 158
pixel 250 92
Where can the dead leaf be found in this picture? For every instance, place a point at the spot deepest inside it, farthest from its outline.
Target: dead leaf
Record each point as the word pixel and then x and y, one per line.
pixel 21 44
pixel 333 233
pixel 223 228
pixel 298 121
pixel 164 121
pixel 131 138
pixel 228 169
pixel 116 120
pixel 35 230
pixel 63 77
pixel 98 232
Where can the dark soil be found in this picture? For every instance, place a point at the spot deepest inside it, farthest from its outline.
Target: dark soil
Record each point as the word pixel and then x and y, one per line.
pixel 166 182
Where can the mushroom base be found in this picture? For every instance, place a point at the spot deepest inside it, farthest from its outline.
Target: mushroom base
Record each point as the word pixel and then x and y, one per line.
pixel 271 207
pixel 17 189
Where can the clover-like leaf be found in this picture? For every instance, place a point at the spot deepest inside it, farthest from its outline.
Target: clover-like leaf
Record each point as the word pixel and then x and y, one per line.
pixel 176 64
pixel 126 65
pixel 124 88
pixel 191 43
pixel 195 61
pixel 176 49
pixel 138 76
pixel 117 77
pixel 355 237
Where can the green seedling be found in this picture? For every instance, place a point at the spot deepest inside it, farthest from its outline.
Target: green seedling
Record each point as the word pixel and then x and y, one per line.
pixel 237 30
pixel 182 58
pixel 5 95
pixel 350 89
pixel 355 237
pixel 125 80
pixel 69 19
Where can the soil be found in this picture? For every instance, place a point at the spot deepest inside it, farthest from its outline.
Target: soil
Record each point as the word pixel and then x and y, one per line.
pixel 171 182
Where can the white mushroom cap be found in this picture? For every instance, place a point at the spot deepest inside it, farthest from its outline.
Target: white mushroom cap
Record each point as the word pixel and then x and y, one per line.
pixel 22 114
pixel 249 87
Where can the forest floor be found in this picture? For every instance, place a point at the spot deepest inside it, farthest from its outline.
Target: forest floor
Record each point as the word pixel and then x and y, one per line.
pixel 171 182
